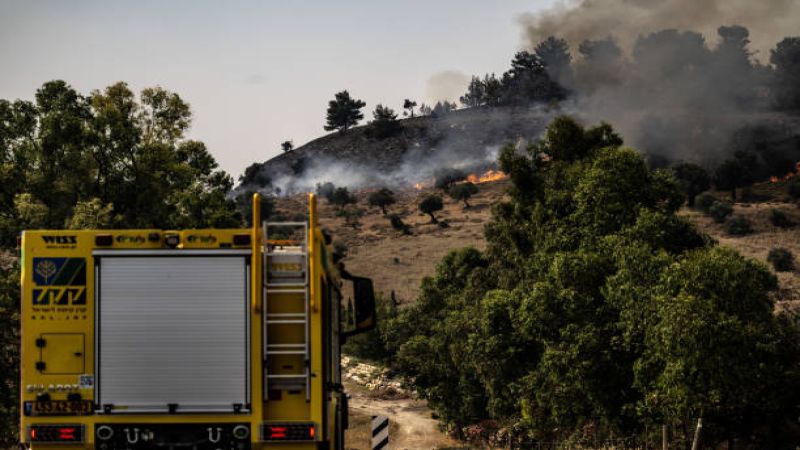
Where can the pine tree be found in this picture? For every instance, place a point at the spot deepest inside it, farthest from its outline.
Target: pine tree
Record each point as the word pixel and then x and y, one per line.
pixel 343 112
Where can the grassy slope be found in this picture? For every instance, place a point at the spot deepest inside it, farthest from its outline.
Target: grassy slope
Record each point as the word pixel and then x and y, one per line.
pixel 397 262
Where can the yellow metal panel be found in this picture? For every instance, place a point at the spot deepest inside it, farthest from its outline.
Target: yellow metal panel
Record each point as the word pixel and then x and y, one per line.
pixel 63 353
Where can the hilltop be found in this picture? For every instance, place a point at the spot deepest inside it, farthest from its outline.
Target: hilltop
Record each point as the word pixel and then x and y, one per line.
pixel 467 139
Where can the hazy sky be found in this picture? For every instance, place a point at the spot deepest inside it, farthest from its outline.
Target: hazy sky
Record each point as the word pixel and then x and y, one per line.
pixel 258 73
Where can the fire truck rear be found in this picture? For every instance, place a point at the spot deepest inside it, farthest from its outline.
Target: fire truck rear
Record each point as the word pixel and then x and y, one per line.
pixel 202 339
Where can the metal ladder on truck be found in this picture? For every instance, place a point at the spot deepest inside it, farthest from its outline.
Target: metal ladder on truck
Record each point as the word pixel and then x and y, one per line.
pixel 286 305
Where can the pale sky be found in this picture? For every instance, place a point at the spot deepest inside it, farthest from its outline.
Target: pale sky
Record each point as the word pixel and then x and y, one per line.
pixel 257 73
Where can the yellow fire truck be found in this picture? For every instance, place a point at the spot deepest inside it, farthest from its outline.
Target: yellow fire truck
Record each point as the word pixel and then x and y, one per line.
pixel 197 339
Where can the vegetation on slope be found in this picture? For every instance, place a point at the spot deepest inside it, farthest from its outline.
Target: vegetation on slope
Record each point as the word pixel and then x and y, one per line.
pixel 596 311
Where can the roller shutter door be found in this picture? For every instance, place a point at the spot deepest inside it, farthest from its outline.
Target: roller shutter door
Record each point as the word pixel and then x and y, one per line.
pixel 173 332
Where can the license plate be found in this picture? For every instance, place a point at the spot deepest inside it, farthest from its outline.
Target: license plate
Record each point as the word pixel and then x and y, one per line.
pixel 62 408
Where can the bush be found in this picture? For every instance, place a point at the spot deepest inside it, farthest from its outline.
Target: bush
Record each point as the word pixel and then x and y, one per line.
pixel 373 344
pixel 738 226
pixel 398 224
pixel 781 259
pixel 780 219
pixel 341 197
pixel 463 192
pixel 719 211
pixel 326 190
pixel 444 178
pixel 704 201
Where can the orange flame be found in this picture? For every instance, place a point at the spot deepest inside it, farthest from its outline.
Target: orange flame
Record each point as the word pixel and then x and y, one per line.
pixel 488 176
pixel 788 176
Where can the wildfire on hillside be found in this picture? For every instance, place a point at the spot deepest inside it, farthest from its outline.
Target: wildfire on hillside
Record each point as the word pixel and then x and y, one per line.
pixel 486 177
pixel 788 176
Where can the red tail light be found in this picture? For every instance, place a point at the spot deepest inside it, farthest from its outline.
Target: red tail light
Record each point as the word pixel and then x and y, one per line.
pixel 288 432
pixel 56 433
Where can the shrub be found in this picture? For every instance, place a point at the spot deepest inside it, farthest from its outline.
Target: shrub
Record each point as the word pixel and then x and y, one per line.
pixel 341 197
pixel 326 190
pixel 781 259
pixel 704 201
pixel 398 224
pixel 738 226
pixel 373 344
pixel 780 219
pixel 444 178
pixel 463 192
pixel 720 211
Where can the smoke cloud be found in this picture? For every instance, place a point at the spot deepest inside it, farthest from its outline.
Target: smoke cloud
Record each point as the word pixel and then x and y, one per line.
pixel 680 79
pixel 625 20
pixel 446 85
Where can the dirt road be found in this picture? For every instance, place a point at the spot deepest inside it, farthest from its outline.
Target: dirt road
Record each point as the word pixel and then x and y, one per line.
pixel 412 425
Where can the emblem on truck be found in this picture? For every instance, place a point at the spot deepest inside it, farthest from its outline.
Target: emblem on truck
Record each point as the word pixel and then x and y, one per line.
pixel 59 281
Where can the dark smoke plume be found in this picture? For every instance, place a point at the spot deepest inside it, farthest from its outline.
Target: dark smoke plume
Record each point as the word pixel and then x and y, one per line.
pixel 675 82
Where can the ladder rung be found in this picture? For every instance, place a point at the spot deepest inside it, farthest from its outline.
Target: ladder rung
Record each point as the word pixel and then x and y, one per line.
pixel 286 253
pixel 286 345
pixel 286 291
pixel 292 283
pixel 285 224
pixel 300 375
pixel 286 315
pixel 287 322
pixel 286 352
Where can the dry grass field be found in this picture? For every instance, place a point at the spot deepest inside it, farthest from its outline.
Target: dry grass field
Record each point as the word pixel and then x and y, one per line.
pixel 398 262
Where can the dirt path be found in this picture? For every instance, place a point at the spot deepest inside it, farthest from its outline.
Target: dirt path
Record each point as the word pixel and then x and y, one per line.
pixel 415 429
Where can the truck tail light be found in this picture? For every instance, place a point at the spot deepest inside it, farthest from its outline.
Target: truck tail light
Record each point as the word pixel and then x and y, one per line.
pixel 288 432
pixel 56 433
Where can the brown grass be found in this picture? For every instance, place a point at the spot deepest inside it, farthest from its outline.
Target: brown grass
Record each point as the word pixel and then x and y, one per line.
pixel 757 245
pixel 398 263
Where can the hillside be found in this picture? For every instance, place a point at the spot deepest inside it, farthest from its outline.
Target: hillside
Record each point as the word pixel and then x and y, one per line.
pixel 466 139
pixel 398 262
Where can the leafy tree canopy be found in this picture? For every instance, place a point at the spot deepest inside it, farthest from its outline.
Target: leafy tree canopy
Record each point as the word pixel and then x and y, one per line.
pixel 597 311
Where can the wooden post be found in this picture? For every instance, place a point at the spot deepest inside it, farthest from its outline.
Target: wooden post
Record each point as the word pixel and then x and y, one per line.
pixel 664 437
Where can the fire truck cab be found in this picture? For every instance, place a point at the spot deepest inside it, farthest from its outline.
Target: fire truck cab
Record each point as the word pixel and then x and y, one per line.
pixel 201 339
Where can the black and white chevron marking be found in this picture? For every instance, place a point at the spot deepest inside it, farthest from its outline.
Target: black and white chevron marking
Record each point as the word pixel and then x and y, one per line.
pixel 380 433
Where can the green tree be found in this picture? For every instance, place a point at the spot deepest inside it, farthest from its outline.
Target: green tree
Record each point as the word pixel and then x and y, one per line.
pixel 381 198
pixel 9 356
pixel 554 55
pixel 786 59
pixel 326 190
pixel 463 192
pixel 385 123
pixel 341 197
pixel 343 112
pixel 735 173
pixel 727 358
pixel 91 214
pixel 692 179
pixel 409 106
pixel 527 81
pixel 568 327
pixel 476 93
pixel 430 204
